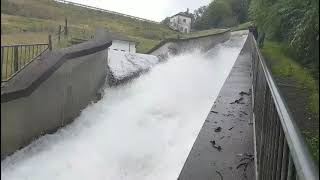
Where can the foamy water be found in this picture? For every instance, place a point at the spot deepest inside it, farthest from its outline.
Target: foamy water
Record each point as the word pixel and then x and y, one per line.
pixel 143 130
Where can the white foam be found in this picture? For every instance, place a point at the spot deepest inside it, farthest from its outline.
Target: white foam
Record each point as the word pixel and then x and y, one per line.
pixel 124 64
pixel 143 130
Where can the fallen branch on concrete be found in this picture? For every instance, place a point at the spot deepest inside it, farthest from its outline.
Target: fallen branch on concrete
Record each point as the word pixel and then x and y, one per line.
pixel 220 175
pixel 213 143
pixel 238 101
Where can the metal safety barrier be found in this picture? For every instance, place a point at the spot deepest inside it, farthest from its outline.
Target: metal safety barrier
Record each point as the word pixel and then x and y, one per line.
pixel 15 57
pixel 281 152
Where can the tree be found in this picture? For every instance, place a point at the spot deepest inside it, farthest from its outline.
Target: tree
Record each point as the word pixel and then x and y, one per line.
pixel 293 21
pixel 197 14
pixel 221 13
pixel 166 21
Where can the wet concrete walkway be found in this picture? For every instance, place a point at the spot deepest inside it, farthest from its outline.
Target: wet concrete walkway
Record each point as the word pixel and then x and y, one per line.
pixel 224 147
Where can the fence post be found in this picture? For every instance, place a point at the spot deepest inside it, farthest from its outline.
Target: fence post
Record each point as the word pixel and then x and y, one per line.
pixel 15 59
pixel 59 33
pixel 66 27
pixel 50 42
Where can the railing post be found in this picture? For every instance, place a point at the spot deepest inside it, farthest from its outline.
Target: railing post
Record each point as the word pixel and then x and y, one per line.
pixel 66 27
pixel 15 59
pixel 2 65
pixel 290 174
pixel 59 33
pixel 50 42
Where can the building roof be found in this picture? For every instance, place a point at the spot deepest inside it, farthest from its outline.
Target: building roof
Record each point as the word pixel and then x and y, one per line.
pixel 186 14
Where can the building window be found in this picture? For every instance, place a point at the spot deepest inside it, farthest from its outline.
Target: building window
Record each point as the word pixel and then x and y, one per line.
pixel 184 20
pixel 185 30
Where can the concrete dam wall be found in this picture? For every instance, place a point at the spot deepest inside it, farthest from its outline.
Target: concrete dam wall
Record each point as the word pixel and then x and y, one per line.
pixel 177 46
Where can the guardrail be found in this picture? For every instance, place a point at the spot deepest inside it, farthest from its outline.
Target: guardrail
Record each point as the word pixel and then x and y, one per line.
pixel 15 57
pixel 104 10
pixel 280 149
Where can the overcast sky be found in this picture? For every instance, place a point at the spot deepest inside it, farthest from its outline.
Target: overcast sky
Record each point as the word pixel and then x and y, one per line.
pixel 155 10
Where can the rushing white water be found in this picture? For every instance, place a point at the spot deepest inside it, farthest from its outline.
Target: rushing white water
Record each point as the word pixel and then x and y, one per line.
pixel 124 64
pixel 143 130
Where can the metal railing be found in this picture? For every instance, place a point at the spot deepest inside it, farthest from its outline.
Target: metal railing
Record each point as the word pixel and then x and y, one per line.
pixel 281 152
pixel 15 57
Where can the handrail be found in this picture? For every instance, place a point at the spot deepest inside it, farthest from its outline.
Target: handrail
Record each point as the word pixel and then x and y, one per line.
pixel 14 58
pixel 298 149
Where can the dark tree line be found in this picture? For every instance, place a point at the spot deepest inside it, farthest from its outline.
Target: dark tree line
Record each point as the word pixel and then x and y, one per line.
pixel 221 13
pixel 295 22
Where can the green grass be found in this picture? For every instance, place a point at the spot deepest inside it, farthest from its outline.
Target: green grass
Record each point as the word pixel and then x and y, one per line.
pixel 44 16
pixel 284 66
pixel 24 38
pixel 287 67
pixel 313 143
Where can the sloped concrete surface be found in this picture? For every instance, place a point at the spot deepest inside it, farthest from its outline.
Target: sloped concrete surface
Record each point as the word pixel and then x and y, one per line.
pixel 224 147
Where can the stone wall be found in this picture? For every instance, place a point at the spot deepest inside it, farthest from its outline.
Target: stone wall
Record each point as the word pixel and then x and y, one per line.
pixel 50 92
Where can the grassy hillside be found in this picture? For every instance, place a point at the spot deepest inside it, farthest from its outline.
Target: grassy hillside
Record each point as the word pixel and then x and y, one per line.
pixel 41 17
pixel 284 66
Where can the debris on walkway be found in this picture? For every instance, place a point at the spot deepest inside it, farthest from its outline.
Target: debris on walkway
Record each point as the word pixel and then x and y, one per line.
pixel 219 175
pixel 228 115
pixel 214 112
pixel 218 129
pixel 238 101
pixel 245 161
pixel 213 143
pixel 244 112
pixel 245 93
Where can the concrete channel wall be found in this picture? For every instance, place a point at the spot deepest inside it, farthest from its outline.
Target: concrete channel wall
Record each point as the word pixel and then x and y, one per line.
pixel 50 92
pixel 177 46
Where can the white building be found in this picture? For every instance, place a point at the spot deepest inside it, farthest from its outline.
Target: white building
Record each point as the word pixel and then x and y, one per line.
pixel 181 22
pixel 121 43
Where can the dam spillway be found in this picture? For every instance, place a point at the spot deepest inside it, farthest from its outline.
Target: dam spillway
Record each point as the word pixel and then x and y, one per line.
pixel 140 130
